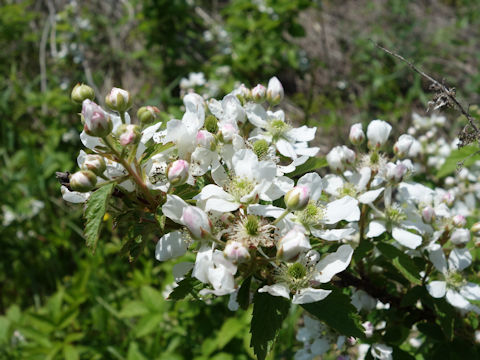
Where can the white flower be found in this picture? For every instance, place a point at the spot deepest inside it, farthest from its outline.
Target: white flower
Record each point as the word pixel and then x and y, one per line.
pixel 197 222
pixel 170 246
pixel 340 156
pixel 381 352
pixel 460 236
pixel 377 133
pixel 455 288
pixel 403 145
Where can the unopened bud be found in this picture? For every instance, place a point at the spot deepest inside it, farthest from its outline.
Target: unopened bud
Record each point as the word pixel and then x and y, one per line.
pixel 292 244
pixel 82 92
pixel 228 131
pixel 395 172
pixel 243 93
pixel 428 214
pixel 96 121
pixel 83 181
pixel 356 136
pixel 448 198
pixel 402 147
pixel 147 114
pixel 460 236
pixel 128 134
pixel 236 252
pixel 205 139
pixel 378 132
pixel 94 163
pixel 476 229
pixel 118 100
pixel 459 220
pixel 177 172
pixel 197 222
pixel 297 198
pixel 259 93
pixel 275 91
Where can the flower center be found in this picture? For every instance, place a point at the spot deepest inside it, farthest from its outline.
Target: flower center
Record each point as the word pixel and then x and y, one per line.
pixel 395 213
pixel 311 215
pixel 455 280
pixel 239 187
pixel 260 148
pixel 348 189
pixel 297 271
pixel 251 225
pixel 277 128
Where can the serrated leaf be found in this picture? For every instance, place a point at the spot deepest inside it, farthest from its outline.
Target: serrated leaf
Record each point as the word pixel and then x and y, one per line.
pixel 337 311
pixel 402 262
pixel 184 288
pixel 94 213
pixel 267 317
pixel 311 164
pixel 464 154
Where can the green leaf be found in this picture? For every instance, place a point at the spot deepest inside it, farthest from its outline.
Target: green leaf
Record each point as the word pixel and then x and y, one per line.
pixel 184 288
pixel 4 329
pixel 402 262
pixel 227 332
pixel 243 296
pixel 134 352
pixel 337 311
pixel 132 309
pixel 432 330
pixel 148 324
pixel 152 298
pixel 94 213
pixel 70 353
pixel 464 154
pixel 267 317
pixel 311 164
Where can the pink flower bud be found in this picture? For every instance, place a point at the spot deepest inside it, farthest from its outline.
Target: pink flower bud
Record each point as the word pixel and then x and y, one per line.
pixel 297 198
pixel 118 100
pixel 83 181
pixel 356 136
pixel 244 92
pixel 204 139
pixel 177 172
pixel 197 222
pixel 378 132
pixel 94 163
pixel 403 145
pixel 97 122
pixel 292 244
pixel 460 236
pixel 459 220
pixel 236 252
pixel 448 198
pixel 128 134
pixel 476 229
pixel 258 93
pixel 428 214
pixel 228 130
pixel 275 91
pixel 147 114
pixel 396 171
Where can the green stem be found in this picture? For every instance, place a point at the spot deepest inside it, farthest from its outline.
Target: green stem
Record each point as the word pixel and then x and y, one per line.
pixel 122 116
pixel 143 187
pixel 285 213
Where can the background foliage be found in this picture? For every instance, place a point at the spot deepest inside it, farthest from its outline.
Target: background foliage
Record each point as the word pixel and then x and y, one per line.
pixel 57 300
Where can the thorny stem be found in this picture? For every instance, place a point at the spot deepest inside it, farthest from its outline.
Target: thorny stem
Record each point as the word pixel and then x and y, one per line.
pixel 447 92
pixel 132 173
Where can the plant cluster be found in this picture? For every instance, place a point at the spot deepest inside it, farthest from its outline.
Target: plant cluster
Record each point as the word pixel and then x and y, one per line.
pixel 380 255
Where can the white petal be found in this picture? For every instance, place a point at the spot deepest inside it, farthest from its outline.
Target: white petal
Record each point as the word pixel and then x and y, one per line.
pixel 345 208
pixel 376 228
pixel 173 208
pixel 437 288
pixel 310 295
pixel 74 197
pixel 406 238
pixel 437 257
pixel 170 246
pixel 219 174
pixel 332 183
pixel 202 263
pixel 302 133
pixel 370 196
pixel 334 234
pixel 179 270
pixel 244 161
pixel 457 300
pixel 286 149
pixel 314 183
pixel 256 115
pixel 221 205
pixel 148 132
pixel 306 151
pixel 471 291
pixel 459 259
pixel 214 191
pixel 265 210
pixel 276 290
pixel 272 191
pixel 334 263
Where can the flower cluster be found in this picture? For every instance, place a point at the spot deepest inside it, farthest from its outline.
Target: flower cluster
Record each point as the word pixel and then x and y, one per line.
pixel 234 182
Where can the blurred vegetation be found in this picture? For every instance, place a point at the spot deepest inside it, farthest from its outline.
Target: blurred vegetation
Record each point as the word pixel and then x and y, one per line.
pixel 57 300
